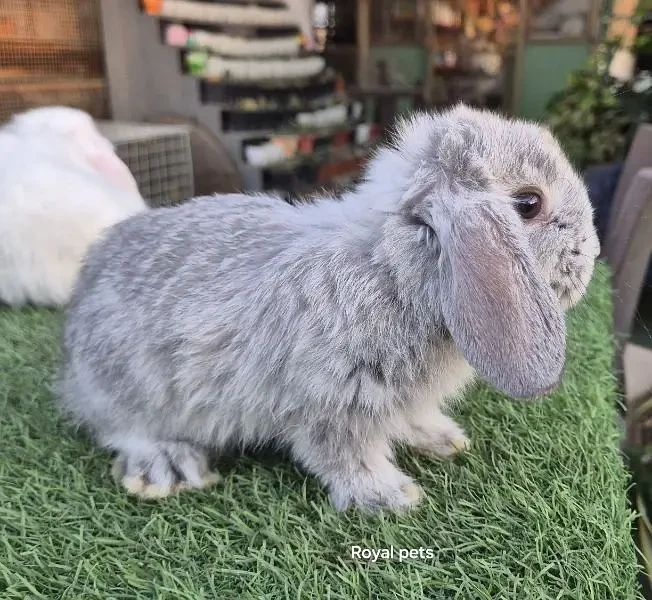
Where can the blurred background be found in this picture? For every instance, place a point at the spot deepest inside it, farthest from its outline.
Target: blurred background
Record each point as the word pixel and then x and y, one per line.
pixel 292 96
pixel 284 93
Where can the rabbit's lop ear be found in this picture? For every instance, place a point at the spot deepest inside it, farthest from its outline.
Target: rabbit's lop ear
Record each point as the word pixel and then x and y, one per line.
pixel 101 156
pixel 107 162
pixel 501 313
pixel 78 130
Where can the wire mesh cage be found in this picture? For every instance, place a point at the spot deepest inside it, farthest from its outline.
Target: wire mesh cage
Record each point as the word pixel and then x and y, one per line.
pixel 51 53
pixel 159 156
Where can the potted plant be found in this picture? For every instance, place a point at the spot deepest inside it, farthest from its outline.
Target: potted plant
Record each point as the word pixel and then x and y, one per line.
pixel 595 118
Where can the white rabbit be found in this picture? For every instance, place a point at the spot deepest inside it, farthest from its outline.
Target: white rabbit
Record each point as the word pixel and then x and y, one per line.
pixel 61 186
pixel 338 329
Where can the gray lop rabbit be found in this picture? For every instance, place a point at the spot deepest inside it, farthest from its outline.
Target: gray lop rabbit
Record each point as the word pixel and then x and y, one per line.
pixel 339 329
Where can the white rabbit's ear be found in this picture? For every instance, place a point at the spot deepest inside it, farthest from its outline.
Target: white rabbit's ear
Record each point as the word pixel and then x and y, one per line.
pixel 77 129
pixel 100 153
pixel 501 313
pixel 107 163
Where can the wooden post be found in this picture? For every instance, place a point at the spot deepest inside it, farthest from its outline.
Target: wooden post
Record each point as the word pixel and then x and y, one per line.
pixel 429 44
pixel 364 41
pixel 517 83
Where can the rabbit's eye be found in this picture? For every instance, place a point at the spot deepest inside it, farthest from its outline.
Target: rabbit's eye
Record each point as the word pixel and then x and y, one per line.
pixel 528 204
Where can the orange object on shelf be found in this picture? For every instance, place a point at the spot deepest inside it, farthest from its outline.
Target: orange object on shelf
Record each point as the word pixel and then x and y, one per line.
pixel 340 139
pixel 338 169
pixel 287 143
pixel 153 7
pixel 306 144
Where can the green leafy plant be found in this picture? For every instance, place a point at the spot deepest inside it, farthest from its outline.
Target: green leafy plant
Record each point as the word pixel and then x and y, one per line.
pixel 596 115
pixel 636 99
pixel 588 116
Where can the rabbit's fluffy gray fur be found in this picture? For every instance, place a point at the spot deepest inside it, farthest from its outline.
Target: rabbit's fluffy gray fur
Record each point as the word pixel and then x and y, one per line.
pixel 337 329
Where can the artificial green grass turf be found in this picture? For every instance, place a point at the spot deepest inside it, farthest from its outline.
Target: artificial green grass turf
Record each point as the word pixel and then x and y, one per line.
pixel 536 510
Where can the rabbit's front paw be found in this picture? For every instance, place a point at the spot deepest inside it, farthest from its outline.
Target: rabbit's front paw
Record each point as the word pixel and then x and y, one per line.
pixel 439 436
pixel 444 447
pixel 373 492
pixel 159 469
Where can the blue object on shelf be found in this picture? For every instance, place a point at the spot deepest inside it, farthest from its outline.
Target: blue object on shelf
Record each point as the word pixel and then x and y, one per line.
pixel 601 181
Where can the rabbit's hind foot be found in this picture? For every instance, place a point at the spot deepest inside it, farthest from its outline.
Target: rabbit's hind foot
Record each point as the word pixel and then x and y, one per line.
pixel 154 470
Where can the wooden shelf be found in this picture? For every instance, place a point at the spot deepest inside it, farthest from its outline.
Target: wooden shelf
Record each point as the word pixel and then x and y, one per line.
pixel 404 19
pixel 223 91
pixel 269 84
pixel 308 106
pixel 459 71
pixel 387 91
pixel 45 59
pixel 53 84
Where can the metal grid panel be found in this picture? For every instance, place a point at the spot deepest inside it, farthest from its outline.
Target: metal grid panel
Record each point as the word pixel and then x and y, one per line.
pixel 159 157
pixel 51 53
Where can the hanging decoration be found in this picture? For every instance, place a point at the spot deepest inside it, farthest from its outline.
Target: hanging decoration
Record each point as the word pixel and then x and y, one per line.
pixel 231 45
pixel 216 67
pixel 221 14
